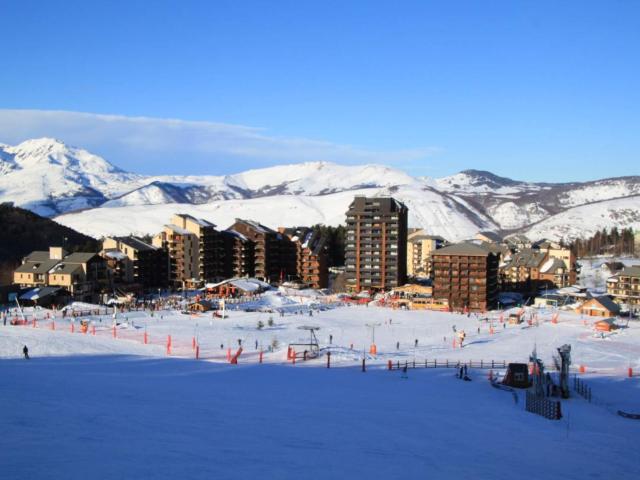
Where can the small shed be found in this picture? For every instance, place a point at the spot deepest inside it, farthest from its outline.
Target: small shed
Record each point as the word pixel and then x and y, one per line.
pixel 201 306
pixel 605 325
pixel 601 306
pixel 517 375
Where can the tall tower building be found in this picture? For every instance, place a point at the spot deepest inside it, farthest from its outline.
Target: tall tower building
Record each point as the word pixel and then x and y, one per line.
pixel 376 245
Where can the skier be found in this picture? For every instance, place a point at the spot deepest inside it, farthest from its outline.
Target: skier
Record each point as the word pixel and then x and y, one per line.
pixel 330 339
pixel 256 344
pixel 25 350
pixel 415 343
pixel 397 345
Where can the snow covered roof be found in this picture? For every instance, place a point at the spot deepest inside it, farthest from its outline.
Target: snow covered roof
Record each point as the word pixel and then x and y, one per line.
pixel 245 284
pixel 237 234
pixel 258 227
pixel 552 265
pixel 39 293
pixel 115 254
pixel 177 229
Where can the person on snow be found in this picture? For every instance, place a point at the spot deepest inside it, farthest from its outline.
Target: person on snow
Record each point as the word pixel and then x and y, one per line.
pixel 25 350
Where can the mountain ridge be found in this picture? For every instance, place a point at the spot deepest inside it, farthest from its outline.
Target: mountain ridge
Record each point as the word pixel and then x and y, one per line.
pixel 56 180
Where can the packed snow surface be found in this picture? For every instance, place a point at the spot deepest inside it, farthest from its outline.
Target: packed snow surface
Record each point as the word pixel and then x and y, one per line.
pixel 95 406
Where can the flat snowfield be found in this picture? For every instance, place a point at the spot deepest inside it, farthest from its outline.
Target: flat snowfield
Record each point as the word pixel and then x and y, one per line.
pixel 94 406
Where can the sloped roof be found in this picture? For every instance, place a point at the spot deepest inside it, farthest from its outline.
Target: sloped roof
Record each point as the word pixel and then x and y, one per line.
pixel 468 249
pixel 37 267
pixel 37 256
pixel 528 258
pixel 552 265
pixel 79 257
pixel 63 268
pixel 607 303
pixel 630 272
pixel 135 243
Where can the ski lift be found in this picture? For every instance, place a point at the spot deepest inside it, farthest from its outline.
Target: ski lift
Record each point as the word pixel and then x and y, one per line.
pixel 306 351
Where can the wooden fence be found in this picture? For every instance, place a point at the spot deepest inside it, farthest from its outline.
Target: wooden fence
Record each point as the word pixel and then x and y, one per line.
pixel 543 406
pixel 484 364
pixel 582 388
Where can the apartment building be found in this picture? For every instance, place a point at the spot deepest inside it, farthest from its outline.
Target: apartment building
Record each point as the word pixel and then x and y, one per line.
pixel 274 255
pixel 239 255
pixel 131 261
pixel 312 265
pixel 624 287
pixel 562 272
pixel 465 276
pixel 420 245
pixel 82 274
pixel 196 250
pixel 376 245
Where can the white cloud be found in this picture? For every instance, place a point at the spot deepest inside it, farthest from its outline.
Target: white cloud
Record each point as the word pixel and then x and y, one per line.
pixel 156 145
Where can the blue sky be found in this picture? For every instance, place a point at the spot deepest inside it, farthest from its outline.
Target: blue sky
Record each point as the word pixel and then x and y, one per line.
pixel 531 90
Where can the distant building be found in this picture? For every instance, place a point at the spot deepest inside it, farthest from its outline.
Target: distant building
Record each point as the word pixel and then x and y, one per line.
pixel 239 255
pixel 312 267
pixel 601 306
pixel 376 245
pixel 420 245
pixel 561 264
pixel 82 274
pixel 624 287
pixel 132 261
pixel 465 276
pixel 544 265
pixel 274 254
pixel 196 250
pixel 489 237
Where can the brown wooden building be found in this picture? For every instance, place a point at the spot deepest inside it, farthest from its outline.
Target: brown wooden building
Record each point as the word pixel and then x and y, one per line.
pixel 466 276
pixel 312 265
pixel 274 255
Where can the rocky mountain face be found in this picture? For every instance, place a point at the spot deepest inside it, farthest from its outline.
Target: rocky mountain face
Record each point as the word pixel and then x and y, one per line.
pixel 86 192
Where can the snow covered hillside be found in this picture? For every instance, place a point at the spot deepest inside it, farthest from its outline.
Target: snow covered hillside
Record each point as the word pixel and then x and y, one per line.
pixel 586 220
pixel 53 179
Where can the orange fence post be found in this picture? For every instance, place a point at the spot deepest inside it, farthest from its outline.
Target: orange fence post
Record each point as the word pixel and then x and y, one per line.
pixel 93 330
pixel 630 372
pixel 583 369
pixel 113 332
pixel 168 344
pixel 53 325
pixel 34 323
pixel 373 350
pixel 390 365
pixel 197 352
pixel 229 354
pixel 146 338
pixel 193 343
pixel 260 356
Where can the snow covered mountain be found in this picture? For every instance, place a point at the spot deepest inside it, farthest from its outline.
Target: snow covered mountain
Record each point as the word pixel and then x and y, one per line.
pixel 87 193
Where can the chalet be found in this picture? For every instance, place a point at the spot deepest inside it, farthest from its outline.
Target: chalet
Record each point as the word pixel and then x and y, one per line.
pixel 601 306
